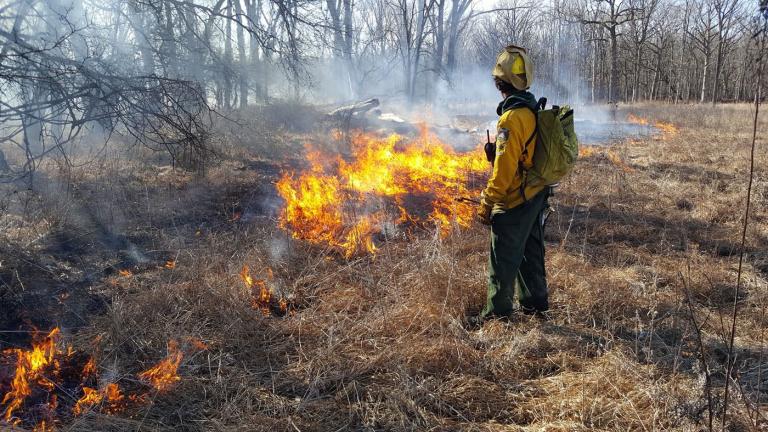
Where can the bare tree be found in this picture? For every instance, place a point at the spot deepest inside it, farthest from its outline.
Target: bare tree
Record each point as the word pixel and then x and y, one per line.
pixel 611 15
pixel 640 30
pixel 703 36
pixel 726 12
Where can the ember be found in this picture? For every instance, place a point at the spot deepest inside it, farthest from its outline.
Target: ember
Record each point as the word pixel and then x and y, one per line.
pixel 388 183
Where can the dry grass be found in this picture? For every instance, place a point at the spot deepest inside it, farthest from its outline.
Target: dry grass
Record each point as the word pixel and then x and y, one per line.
pixel 379 343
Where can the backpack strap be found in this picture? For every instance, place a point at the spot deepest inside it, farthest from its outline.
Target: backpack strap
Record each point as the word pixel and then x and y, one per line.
pixel 520 165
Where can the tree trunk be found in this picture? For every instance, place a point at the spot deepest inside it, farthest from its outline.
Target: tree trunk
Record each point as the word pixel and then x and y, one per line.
pixel 594 71
pixel 718 69
pixel 437 57
pixel 418 43
pixel 252 8
pixel 143 29
pixel 348 40
pixel 612 78
pixel 228 60
pixel 241 60
pixel 636 78
pixel 704 78
pixel 458 9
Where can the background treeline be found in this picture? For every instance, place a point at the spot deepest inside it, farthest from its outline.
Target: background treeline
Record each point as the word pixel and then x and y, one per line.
pixel 152 70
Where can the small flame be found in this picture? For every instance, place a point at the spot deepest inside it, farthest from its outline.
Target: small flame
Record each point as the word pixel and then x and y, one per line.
pixel 170 264
pixel 90 368
pixel 637 120
pixel 90 398
pixel 111 394
pixel 125 273
pixel 114 398
pixel 30 365
pixel 43 426
pixel 163 375
pixel 261 297
pixel 665 127
pixel 245 274
pixel 197 344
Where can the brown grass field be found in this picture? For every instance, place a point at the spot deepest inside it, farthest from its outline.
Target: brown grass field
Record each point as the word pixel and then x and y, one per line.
pixel 642 251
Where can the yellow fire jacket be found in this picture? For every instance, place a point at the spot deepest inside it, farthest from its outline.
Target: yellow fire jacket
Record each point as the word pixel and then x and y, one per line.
pixel 514 128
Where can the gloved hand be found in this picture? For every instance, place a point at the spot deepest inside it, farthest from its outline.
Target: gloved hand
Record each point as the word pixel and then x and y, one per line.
pixel 484 213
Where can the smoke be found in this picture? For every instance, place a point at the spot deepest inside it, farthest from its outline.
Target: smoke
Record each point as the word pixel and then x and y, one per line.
pixel 278 249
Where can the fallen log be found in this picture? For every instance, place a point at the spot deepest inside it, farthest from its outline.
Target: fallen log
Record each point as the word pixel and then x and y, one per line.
pixel 354 109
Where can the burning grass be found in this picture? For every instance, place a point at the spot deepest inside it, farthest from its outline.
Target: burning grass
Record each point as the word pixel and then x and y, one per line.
pixel 381 191
pixel 379 342
pixel 52 381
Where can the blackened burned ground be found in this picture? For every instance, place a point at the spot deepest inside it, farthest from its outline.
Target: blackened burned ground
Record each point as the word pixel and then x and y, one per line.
pixel 57 280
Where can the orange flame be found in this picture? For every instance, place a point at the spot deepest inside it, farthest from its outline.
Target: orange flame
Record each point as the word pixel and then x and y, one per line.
pixel 125 273
pixel 163 375
pixel 43 426
pixel 170 264
pixel 114 398
pixel 346 203
pixel 44 370
pixel 90 398
pixel 665 127
pixel 90 368
pixel 261 294
pixel 245 274
pixel 30 365
pixel 637 120
pixel 111 394
pixel 262 299
pixel 197 344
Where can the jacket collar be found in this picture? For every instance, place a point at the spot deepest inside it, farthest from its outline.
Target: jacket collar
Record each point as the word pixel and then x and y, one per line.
pixel 518 99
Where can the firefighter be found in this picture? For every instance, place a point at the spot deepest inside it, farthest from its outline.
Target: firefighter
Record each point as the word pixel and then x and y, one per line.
pixel 513 209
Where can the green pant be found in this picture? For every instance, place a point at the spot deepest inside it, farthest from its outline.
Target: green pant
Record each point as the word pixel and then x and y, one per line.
pixel 517 259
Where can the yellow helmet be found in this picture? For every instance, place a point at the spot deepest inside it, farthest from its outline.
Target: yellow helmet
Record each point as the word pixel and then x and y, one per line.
pixel 514 66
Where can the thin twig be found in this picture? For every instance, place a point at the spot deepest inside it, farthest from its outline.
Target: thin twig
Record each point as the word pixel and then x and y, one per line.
pixel 702 351
pixel 734 313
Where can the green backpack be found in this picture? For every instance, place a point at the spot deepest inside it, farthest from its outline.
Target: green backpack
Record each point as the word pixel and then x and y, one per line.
pixel 556 148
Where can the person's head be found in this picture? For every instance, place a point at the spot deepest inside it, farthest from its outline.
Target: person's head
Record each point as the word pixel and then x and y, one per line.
pixel 513 70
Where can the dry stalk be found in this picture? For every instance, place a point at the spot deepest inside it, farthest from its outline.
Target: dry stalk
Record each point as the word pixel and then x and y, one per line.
pixel 702 351
pixel 734 313
pixel 760 363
